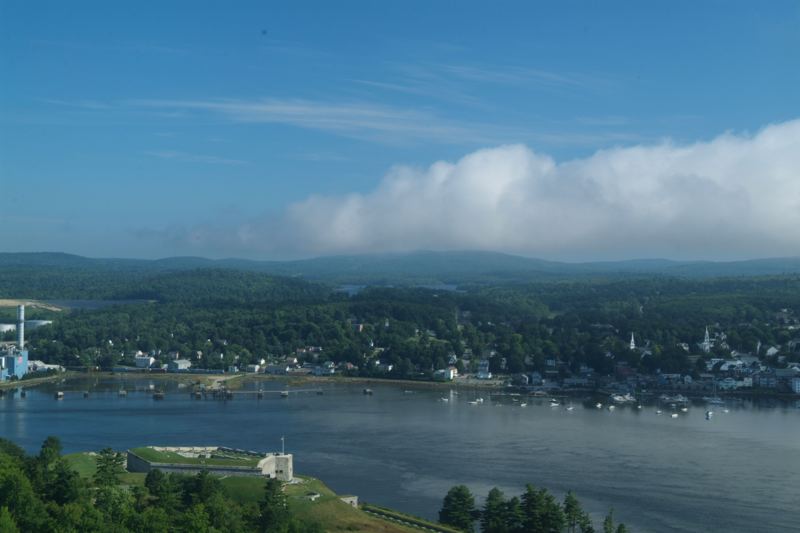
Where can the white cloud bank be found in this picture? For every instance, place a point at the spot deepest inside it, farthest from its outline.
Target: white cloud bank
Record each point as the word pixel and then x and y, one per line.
pixel 735 196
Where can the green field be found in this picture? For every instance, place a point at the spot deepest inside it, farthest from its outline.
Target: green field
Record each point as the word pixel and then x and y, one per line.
pixel 221 459
pixel 85 464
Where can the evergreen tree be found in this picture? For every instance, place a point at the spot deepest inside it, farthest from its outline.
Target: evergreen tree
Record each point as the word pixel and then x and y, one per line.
pixel 585 523
pixel 532 507
pixel 572 512
pixel 494 517
pixel 50 451
pixel 458 508
pixel 608 522
pixel 514 516
pixel 552 515
pixel 109 467
pixel 274 507
pixel 63 484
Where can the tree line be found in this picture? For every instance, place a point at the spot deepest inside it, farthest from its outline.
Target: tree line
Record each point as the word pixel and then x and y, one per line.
pixel 535 511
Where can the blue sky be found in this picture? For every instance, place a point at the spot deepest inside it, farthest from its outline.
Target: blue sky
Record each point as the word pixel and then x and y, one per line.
pixel 153 129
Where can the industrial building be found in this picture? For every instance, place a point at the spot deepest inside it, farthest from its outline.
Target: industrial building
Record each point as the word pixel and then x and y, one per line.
pixel 14 357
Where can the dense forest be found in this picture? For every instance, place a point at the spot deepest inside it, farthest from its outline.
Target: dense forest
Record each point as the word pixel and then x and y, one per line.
pixel 222 317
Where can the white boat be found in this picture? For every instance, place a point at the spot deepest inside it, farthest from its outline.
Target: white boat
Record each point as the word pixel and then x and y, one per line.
pixel 658 411
pixel 570 408
pixel 622 398
pixel 611 407
pixel 444 399
pixel 674 415
pixel 709 414
pixel 523 405
pixel 554 403
pixel 684 409
pixel 599 405
pixel 473 402
pixel 479 400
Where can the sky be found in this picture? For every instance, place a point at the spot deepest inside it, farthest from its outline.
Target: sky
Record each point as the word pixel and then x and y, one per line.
pixel 556 129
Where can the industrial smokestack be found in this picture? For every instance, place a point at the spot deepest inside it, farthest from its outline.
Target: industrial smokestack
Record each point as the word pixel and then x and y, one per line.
pixel 21 327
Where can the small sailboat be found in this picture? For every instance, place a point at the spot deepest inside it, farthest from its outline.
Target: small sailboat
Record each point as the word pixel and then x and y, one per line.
pixel 709 414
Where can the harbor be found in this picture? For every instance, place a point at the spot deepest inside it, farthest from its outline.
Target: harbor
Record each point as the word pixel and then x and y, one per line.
pixel 637 458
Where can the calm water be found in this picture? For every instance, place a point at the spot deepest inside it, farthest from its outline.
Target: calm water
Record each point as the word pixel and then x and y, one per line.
pixel 740 471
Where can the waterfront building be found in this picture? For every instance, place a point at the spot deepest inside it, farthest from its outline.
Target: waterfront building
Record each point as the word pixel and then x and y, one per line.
pixel 483 369
pixel 14 358
pixel 144 361
pixel 179 365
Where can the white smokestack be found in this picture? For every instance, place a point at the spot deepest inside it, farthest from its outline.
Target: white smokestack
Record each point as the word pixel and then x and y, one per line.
pixel 21 327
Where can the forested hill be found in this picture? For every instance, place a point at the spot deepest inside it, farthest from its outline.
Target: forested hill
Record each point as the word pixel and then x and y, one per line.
pixel 194 287
pixel 417 268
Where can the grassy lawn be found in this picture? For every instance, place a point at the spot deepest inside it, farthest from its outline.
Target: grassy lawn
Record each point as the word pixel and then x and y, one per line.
pixel 334 514
pixel 86 465
pixel 244 489
pixel 229 459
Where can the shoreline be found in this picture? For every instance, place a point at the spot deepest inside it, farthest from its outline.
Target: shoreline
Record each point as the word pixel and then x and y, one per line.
pixel 235 381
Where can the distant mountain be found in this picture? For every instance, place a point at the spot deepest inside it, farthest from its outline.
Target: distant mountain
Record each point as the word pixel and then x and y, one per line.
pixel 415 267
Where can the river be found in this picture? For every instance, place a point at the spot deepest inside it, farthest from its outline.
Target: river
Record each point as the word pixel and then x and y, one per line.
pixel 738 471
